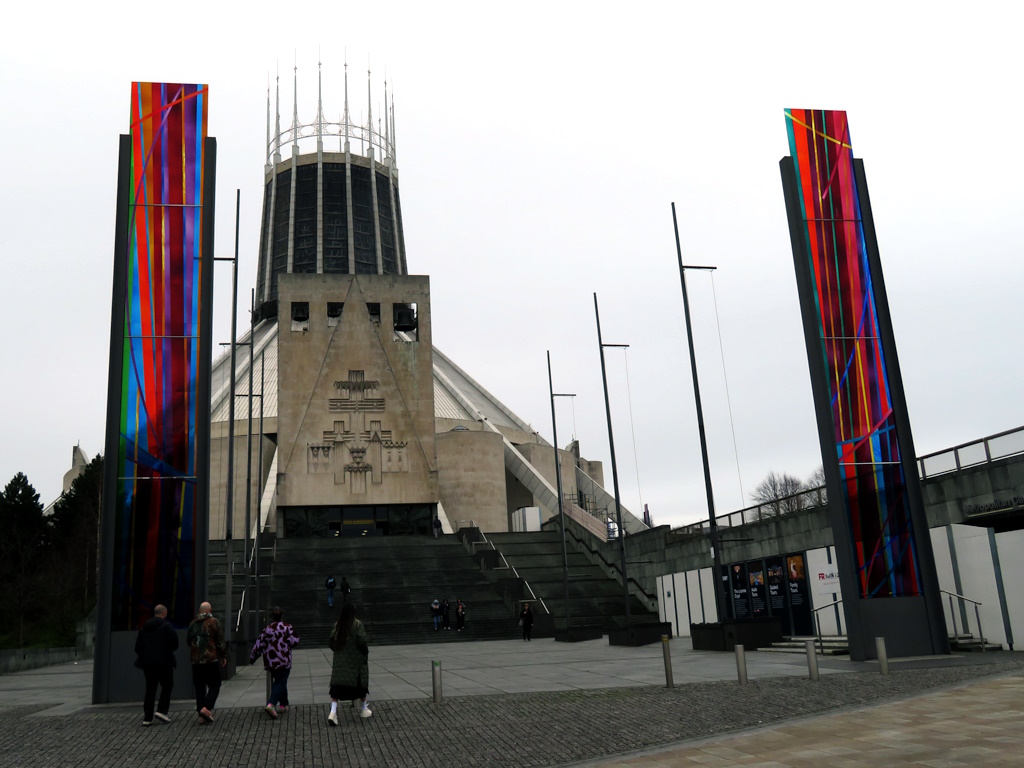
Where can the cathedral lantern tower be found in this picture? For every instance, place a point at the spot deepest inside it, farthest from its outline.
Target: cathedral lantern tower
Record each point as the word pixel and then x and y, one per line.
pixel 330 202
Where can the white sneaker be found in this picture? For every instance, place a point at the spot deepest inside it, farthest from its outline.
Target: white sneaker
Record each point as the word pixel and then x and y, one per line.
pixel 365 712
pixel 332 719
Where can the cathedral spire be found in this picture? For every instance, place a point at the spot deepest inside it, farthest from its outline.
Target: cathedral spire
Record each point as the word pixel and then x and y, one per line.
pixel 347 119
pixel 295 109
pixel 319 104
pixel 369 118
pixel 277 119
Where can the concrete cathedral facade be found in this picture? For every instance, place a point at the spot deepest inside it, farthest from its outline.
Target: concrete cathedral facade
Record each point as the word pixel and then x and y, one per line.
pixel 360 426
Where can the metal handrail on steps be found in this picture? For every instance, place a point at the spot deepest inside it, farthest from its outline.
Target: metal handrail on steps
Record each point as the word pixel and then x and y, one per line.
pixel 585 549
pixel 977 615
pixel 511 567
pixel 817 622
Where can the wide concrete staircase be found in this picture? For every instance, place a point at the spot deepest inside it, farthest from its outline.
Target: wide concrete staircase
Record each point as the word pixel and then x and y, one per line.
pixel 393 581
pixel 595 598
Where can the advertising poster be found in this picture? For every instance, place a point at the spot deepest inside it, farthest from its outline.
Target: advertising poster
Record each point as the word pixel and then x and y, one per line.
pixel 740 591
pixel 756 578
pixel 730 612
pixel 799 600
pixel 775 584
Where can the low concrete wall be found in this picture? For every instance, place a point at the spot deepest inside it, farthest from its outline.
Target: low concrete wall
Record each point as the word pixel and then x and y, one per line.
pixel 21 659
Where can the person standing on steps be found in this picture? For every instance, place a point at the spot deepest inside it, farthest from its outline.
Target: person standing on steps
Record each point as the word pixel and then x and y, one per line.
pixel 460 615
pixel 209 654
pixel 346 590
pixel 526 621
pixel 329 585
pixel 435 612
pixel 446 612
pixel 437 527
pixel 275 645
pixel 155 646
pixel 350 669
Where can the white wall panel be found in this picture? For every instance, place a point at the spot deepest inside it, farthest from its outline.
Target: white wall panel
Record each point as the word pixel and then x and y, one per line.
pixel 944 569
pixel 1011 563
pixel 977 577
pixel 823 580
pixel 707 587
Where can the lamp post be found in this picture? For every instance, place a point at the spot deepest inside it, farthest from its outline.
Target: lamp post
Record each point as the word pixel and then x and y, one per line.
pixel 246 617
pixel 229 501
pixel 716 558
pixel 561 507
pixel 259 495
pixel 248 460
pixel 615 474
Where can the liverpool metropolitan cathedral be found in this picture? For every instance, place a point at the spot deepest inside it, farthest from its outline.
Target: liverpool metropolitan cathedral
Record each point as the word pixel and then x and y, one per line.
pixel 361 426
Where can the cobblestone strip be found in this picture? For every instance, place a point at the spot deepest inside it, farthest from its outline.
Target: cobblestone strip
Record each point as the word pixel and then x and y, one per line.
pixel 541 729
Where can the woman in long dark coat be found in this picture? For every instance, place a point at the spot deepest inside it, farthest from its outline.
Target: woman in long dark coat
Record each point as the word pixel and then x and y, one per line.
pixel 350 670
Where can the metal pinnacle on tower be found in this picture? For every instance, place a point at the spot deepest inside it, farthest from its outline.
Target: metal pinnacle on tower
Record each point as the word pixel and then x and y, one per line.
pixel 330 211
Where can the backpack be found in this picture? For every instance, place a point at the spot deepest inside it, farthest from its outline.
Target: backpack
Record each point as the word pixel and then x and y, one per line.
pixel 197 635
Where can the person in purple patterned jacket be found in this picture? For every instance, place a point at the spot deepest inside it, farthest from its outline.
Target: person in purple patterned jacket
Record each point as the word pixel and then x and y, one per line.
pixel 275 645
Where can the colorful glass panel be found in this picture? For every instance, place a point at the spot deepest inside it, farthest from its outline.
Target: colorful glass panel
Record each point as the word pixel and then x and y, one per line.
pixel 867 448
pixel 156 508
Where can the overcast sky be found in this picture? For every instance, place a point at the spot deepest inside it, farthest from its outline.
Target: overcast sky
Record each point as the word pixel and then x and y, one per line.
pixel 540 146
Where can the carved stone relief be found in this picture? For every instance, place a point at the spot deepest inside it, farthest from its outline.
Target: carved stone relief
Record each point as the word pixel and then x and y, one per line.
pixel 357 446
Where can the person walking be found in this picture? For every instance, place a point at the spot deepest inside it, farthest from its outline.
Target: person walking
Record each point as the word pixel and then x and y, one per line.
pixel 329 585
pixel 155 646
pixel 526 621
pixel 435 612
pixel 460 615
pixel 209 654
pixel 350 670
pixel 275 645
pixel 437 527
pixel 346 590
pixel 446 611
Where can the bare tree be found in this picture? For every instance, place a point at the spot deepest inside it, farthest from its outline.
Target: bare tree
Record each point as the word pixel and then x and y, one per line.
pixel 816 482
pixel 778 494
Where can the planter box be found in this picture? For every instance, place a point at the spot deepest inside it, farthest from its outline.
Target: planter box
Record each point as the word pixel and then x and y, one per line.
pixel 579 634
pixel 640 634
pixel 725 636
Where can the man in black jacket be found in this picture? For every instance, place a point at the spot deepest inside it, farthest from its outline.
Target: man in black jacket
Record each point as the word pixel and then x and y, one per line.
pixel 155 646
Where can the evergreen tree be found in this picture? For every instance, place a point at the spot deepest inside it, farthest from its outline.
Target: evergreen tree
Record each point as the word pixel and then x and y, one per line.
pixel 23 545
pixel 74 532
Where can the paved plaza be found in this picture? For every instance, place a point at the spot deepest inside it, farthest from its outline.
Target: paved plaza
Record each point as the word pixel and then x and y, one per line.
pixel 509 703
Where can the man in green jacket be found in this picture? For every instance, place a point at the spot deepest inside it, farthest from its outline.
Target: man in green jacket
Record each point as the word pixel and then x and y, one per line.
pixel 209 653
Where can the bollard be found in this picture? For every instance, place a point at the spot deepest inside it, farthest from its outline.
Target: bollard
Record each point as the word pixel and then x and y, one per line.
pixel 741 665
pixel 812 659
pixel 436 675
pixel 883 658
pixel 667 653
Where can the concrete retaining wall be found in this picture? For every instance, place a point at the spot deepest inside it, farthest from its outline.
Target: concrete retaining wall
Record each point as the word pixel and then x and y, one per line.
pixel 21 659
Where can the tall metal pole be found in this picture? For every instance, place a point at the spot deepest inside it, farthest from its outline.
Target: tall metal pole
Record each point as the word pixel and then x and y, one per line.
pixel 716 558
pixel 561 506
pixel 229 502
pixel 615 473
pixel 248 465
pixel 259 495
